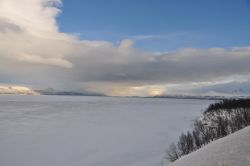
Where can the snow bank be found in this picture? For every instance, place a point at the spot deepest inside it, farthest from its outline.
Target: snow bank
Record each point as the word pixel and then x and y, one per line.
pixel 233 150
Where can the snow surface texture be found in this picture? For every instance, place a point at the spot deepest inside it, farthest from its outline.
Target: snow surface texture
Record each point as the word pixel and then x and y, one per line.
pixel 91 131
pixel 232 150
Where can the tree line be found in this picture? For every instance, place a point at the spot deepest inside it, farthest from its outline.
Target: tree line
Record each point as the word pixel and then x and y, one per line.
pixel 218 120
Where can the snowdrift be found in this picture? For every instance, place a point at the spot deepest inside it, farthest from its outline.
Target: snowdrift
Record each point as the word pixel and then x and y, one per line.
pixel 232 150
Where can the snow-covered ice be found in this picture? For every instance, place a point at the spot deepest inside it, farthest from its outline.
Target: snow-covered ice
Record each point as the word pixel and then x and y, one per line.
pixel 91 131
pixel 232 150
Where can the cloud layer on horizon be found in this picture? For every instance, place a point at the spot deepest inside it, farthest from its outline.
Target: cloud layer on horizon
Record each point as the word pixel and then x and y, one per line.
pixel 33 51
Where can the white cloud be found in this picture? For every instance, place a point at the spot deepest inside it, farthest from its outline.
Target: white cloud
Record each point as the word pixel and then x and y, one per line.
pixel 33 51
pixel 126 43
pixel 29 32
pixel 146 37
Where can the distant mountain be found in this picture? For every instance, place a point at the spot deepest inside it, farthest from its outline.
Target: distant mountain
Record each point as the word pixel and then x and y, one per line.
pixel 19 90
pixel 209 96
pixel 51 91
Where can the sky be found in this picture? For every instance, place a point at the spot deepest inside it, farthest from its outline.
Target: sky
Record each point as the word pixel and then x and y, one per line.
pixel 160 25
pixel 126 48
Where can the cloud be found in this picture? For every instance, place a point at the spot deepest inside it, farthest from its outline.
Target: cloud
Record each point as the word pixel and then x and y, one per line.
pixel 239 85
pixel 33 51
pixel 146 37
pixel 29 32
pixel 126 43
pixel 169 36
pixel 6 26
pixel 185 65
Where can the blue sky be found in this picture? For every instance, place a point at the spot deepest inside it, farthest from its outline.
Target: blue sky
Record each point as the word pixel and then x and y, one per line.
pixel 160 25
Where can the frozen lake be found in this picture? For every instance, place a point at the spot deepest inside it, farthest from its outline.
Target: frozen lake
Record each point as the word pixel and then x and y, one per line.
pixel 91 131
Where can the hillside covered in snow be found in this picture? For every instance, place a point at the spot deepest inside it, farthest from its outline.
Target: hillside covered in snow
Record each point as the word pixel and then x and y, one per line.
pixel 232 150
